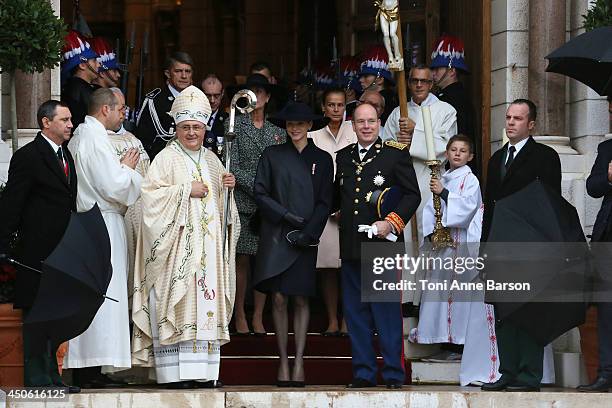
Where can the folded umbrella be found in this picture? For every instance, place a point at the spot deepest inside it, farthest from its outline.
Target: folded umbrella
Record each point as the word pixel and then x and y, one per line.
pixel 536 237
pixel 73 284
pixel 586 58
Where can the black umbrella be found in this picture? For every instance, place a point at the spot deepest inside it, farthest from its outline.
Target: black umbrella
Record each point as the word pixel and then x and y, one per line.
pixel 73 282
pixel 536 237
pixel 586 58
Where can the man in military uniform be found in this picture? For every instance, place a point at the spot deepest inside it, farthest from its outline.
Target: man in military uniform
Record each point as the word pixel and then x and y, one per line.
pixel 79 69
pixel 154 127
pixel 215 129
pixel 447 63
pixel 363 167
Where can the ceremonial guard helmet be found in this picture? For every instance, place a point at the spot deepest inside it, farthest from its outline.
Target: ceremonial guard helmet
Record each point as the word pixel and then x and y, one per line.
pixel 106 55
pixel 449 52
pixel 349 70
pixel 76 50
pixel 375 61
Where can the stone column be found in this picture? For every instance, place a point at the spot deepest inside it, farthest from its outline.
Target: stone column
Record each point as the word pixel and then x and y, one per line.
pixel 546 33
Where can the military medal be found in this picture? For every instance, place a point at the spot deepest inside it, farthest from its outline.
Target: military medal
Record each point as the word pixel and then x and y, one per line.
pixel 379 180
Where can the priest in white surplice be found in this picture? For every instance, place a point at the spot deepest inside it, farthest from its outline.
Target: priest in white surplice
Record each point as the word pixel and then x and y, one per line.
pixel 184 288
pixel 112 182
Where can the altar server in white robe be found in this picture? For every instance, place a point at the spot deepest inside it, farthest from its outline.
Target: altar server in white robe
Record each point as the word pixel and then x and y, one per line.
pixel 445 315
pixel 412 131
pixel 112 183
pixel 184 285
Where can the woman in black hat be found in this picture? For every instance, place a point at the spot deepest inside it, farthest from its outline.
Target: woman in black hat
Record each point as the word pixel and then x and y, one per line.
pixel 253 134
pixel 293 190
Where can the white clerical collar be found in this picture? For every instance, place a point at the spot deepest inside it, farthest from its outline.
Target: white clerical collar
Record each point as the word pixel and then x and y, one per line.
pixel 430 100
pixel 94 122
pixel 173 90
pixel 51 142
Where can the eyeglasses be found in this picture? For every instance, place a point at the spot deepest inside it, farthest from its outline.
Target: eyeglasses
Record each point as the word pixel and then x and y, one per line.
pixel 417 81
pixel 195 128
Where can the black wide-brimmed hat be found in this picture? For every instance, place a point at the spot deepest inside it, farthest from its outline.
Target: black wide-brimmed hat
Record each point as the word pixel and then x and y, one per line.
pixel 296 112
pixel 258 81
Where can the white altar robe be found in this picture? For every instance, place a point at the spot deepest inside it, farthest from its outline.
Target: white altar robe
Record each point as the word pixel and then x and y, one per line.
pixel 102 179
pixel 446 321
pixel 444 125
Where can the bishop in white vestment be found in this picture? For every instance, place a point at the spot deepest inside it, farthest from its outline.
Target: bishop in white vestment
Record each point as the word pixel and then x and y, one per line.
pixel 184 286
pixel 113 185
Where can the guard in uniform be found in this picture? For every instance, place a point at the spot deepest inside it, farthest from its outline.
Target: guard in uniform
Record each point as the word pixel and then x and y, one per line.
pixel 362 168
pixel 154 126
pixel 79 69
pixel 447 63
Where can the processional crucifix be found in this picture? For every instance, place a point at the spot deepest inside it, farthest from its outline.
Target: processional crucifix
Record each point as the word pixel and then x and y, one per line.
pixel 388 17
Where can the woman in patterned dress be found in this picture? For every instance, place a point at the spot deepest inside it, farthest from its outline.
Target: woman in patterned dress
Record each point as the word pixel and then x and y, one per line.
pixel 253 134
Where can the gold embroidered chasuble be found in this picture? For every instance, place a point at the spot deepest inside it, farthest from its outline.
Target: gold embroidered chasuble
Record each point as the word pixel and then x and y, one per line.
pixel 171 254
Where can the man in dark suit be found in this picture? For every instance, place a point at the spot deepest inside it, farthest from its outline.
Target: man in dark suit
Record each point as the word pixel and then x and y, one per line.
pixel 510 169
pixel 154 127
pixel 39 197
pixel 599 184
pixel 215 129
pixel 362 167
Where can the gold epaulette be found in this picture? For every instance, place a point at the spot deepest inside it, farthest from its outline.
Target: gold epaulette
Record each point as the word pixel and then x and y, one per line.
pixel 397 145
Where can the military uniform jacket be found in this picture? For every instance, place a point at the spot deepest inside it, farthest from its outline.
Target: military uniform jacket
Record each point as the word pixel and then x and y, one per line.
pixel 76 95
pixel 217 130
pixel 384 165
pixel 154 126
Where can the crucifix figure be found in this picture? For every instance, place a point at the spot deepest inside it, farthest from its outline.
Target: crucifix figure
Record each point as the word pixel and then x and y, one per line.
pixel 388 17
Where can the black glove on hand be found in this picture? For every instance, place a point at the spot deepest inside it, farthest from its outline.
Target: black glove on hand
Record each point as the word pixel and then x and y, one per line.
pixel 294 220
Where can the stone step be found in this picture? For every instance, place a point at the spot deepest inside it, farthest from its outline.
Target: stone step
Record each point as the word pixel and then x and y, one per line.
pixel 435 373
pixel 326 396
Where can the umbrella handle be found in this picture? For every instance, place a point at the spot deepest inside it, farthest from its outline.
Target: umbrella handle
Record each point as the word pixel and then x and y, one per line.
pixel 15 262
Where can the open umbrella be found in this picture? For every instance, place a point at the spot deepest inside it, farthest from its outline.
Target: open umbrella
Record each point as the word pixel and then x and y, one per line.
pixel 536 237
pixel 73 283
pixel 586 58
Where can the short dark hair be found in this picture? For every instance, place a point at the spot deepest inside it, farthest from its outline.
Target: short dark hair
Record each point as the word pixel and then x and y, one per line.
pixel 333 90
pixel 461 138
pixel 533 111
pixel 48 110
pixel 99 98
pixel 259 66
pixel 180 57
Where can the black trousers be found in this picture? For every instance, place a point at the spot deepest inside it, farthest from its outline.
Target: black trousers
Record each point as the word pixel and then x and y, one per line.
pixel 604 336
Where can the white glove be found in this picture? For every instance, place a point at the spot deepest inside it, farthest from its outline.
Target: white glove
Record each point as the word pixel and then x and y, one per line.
pixel 372 231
